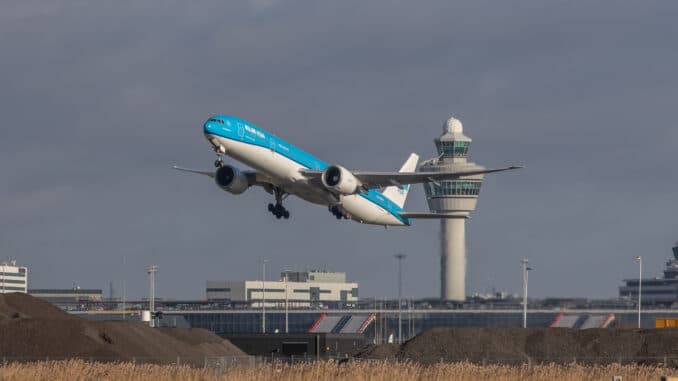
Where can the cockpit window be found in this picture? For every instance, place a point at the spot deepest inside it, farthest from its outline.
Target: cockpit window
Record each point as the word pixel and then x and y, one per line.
pixel 216 120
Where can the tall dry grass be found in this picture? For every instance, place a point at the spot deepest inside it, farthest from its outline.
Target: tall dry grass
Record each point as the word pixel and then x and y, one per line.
pixel 372 370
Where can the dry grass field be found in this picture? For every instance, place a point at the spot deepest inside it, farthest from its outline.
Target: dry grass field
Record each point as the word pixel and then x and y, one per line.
pixel 367 370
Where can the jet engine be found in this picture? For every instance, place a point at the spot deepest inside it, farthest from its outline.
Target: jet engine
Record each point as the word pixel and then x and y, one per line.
pixel 231 179
pixel 340 180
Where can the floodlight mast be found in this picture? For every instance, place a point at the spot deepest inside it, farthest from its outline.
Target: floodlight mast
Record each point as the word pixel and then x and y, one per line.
pixel 151 294
pixel 287 324
pixel 526 270
pixel 263 295
pixel 639 259
pixel 400 258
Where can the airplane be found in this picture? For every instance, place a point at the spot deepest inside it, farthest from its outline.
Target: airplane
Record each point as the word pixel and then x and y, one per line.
pixel 282 169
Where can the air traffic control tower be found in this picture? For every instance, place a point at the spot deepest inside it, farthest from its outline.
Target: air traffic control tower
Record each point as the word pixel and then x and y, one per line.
pixel 456 199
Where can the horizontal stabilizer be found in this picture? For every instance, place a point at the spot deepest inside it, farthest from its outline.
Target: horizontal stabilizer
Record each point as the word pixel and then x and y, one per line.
pixel 431 215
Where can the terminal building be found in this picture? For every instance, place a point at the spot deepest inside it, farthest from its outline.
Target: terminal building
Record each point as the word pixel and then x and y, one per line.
pixel 656 291
pixel 69 296
pixel 307 289
pixel 13 278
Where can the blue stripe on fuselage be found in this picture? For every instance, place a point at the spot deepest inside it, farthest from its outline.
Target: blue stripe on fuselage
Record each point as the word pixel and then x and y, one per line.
pixel 240 130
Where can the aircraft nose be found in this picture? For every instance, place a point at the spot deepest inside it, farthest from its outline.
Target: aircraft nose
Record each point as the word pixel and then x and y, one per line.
pixel 210 125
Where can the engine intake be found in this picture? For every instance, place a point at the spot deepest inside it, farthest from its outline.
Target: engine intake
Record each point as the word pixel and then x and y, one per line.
pixel 340 180
pixel 231 179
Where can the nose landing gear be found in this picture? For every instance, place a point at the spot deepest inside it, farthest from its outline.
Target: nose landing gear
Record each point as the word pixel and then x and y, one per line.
pixel 219 150
pixel 219 162
pixel 278 209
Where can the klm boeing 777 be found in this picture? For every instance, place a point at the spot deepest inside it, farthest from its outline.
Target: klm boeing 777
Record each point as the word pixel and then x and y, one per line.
pixel 282 170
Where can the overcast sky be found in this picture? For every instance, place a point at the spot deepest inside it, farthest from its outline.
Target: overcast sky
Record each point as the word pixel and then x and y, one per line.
pixel 99 99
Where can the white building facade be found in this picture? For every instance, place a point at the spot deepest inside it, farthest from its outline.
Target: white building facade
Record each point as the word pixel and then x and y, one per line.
pixel 298 289
pixel 13 278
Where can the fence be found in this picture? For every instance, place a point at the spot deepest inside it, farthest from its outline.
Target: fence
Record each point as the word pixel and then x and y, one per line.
pixel 668 361
pixel 221 362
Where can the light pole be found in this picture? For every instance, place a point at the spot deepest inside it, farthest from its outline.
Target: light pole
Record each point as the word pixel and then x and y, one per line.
pixel 287 325
pixel 263 295
pixel 376 320
pixel 400 258
pixel 639 259
pixel 151 294
pixel 526 269
pixel 4 270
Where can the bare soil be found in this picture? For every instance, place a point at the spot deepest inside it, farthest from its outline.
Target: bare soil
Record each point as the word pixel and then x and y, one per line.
pixel 31 328
pixel 534 345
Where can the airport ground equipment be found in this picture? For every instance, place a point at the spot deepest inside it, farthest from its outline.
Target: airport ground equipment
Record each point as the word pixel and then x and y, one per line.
pixel 664 322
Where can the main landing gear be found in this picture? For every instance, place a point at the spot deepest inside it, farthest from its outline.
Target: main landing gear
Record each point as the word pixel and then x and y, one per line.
pixel 219 162
pixel 337 212
pixel 278 209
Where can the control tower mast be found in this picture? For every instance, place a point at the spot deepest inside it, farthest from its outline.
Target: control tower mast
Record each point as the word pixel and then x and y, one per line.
pixel 456 199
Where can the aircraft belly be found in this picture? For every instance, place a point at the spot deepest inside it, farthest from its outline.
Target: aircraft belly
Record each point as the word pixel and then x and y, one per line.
pixel 367 212
pixel 262 159
pixel 282 171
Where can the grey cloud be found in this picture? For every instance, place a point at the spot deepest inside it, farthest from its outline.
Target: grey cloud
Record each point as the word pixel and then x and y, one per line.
pixel 98 99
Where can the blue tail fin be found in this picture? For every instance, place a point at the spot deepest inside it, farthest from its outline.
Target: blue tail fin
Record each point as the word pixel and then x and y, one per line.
pixel 398 194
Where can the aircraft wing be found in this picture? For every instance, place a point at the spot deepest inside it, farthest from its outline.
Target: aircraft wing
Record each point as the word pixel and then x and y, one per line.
pixel 371 180
pixel 205 173
pixel 253 177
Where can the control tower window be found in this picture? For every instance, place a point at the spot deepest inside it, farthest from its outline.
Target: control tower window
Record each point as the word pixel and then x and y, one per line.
pixel 452 148
pixel 453 188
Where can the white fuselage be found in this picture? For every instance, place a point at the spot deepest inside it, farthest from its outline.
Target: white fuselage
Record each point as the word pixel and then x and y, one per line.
pixel 285 174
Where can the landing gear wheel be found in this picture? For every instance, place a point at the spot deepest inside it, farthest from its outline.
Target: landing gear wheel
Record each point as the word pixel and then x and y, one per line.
pixel 218 163
pixel 336 212
pixel 278 209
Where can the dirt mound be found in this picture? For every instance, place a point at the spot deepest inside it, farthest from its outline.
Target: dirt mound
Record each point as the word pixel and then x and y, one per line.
pixel 203 340
pixel 383 352
pixel 536 345
pixel 17 305
pixel 34 329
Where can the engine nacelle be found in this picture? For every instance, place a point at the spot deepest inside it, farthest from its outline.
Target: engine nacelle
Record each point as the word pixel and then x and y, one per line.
pixel 231 179
pixel 340 179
